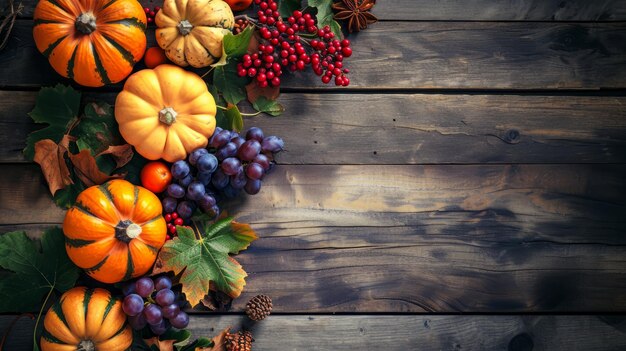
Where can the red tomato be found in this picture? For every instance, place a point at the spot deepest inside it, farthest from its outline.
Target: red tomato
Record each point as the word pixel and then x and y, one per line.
pixel 155 176
pixel 238 5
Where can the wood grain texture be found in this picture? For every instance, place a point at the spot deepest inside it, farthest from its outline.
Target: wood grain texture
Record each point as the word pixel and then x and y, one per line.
pixel 474 10
pixel 428 55
pixel 401 333
pixel 526 238
pixel 411 129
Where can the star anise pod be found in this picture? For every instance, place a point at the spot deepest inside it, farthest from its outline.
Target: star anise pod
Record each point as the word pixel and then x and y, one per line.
pixel 356 12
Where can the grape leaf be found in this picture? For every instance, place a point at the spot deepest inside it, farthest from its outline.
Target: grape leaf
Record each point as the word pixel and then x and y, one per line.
pixel 271 107
pixel 228 82
pixel 202 255
pixel 97 129
pixel 234 46
pixel 234 119
pixel 58 108
pixel 35 273
pixel 325 16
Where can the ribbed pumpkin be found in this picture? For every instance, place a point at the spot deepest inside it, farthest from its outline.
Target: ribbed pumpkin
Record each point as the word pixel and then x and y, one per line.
pixel 114 231
pixel 165 112
pixel 86 320
pixel 191 31
pixel 92 42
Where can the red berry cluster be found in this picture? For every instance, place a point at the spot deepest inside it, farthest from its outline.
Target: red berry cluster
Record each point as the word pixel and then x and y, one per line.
pixel 172 220
pixel 240 25
pixel 282 47
pixel 151 13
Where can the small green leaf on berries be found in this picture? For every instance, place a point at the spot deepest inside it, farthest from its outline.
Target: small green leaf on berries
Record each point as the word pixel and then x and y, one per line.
pixel 271 107
pixel 287 7
pixel 234 46
pixel 325 16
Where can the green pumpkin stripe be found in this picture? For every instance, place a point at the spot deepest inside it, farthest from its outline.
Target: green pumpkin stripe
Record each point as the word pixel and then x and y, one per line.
pixel 104 77
pixel 130 267
pixel 53 46
pixel 129 22
pixel 108 308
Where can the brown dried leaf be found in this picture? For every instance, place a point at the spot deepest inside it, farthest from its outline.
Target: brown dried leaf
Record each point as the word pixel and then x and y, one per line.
pixel 217 301
pixel 219 342
pixel 254 91
pixel 162 345
pixel 122 154
pixel 50 156
pixel 87 169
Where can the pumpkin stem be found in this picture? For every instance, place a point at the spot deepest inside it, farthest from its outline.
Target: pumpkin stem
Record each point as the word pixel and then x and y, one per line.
pixel 168 116
pixel 85 23
pixel 126 231
pixel 185 27
pixel 86 345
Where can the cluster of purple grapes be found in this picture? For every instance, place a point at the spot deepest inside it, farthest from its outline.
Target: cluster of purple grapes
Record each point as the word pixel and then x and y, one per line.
pixel 153 303
pixel 231 163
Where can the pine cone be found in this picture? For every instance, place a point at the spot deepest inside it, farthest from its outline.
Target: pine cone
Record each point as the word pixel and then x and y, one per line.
pixel 259 307
pixel 239 341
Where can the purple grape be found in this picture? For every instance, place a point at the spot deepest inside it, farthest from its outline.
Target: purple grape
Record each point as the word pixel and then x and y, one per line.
pixel 220 180
pixel 254 171
pixel 233 135
pixel 263 160
pixel 253 186
pixel 230 192
pixel 272 144
pixel 153 314
pixel 128 288
pixel 255 133
pixel 206 202
pixel 238 141
pixel 169 204
pixel 137 322
pixel 214 211
pixel 180 321
pixel 176 191
pixel 204 178
pixel 220 139
pixel 160 328
pixel 144 286
pixel 165 297
pixel 196 154
pixel 186 181
pixel 207 163
pixel 249 150
pixel 195 190
pixel 238 181
pixel 231 166
pixel 180 169
pixel 185 209
pixel 132 305
pixel 170 311
pixel 162 282
pixel 229 150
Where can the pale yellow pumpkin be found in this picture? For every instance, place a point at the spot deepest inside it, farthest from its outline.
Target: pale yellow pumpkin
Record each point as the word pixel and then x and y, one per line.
pixel 165 112
pixel 191 31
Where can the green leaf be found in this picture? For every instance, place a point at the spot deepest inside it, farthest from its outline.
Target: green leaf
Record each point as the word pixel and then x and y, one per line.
pixel 58 108
pixel 98 129
pixel 36 273
pixel 234 46
pixel 233 118
pixel 202 258
pixel 271 107
pixel 325 16
pixel 66 197
pixel 287 7
pixel 228 82
pixel 133 168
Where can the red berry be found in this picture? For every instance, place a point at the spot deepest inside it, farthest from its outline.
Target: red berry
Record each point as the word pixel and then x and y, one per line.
pixel 275 81
pixel 261 77
pixel 297 14
pixel 274 6
pixel 263 84
pixel 168 237
pixel 172 230
pixel 269 59
pixel 167 217
pixel 338 81
pixel 274 41
pixel 257 63
pixel 252 72
pixel 270 75
pixel 281 27
pixel 276 67
pixel 152 13
pixel 263 5
pixel 269 49
pixel 158 8
pixel 300 65
pixel 178 221
pixel 345 43
pixel 150 19
pixel 174 215
pixel 270 21
pixel 325 79
pixel 346 81
pixel 146 9
pixel 347 52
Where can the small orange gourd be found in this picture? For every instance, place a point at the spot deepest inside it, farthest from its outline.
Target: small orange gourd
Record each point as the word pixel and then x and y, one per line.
pixel 165 112
pixel 87 320
pixel 114 231
pixel 92 42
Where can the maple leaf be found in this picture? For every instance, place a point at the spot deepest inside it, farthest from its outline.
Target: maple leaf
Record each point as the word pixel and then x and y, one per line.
pixel 87 170
pixel 51 157
pixel 35 272
pixel 202 256
pixel 97 128
pixel 121 154
pixel 58 108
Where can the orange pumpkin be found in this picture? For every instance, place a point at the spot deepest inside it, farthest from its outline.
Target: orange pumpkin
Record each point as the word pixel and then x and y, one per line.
pixel 88 320
pixel 91 42
pixel 114 231
pixel 165 112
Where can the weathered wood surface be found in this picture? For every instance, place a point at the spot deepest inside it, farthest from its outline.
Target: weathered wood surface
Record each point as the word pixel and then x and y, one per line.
pixel 474 10
pixel 412 128
pixel 527 238
pixel 429 55
pixel 401 333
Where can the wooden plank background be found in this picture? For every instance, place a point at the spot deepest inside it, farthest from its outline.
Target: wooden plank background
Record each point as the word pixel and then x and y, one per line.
pixel 476 164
